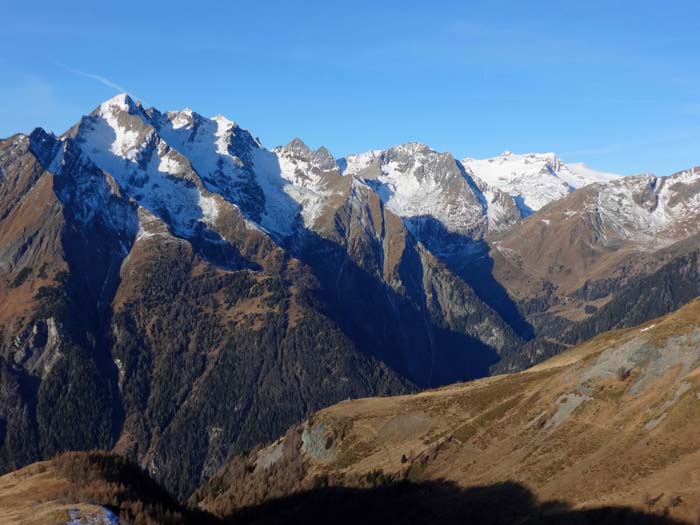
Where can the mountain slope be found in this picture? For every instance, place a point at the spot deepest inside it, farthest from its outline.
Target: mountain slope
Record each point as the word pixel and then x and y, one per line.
pixel 611 422
pixel 591 258
pixel 122 311
pixel 169 284
pixel 599 225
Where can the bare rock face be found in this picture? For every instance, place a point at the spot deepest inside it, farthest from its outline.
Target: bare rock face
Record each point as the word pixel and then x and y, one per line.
pixel 421 185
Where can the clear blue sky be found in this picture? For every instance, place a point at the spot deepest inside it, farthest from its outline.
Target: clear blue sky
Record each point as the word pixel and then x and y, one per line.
pixel 613 83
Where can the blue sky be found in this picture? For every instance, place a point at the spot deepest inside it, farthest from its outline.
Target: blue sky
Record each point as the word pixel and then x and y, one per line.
pixel 615 84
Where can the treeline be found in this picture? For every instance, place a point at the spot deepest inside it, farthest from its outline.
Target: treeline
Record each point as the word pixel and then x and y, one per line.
pixel 643 298
pixel 114 482
pixel 211 365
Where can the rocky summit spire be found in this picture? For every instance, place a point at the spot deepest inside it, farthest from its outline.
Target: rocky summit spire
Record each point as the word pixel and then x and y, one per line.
pixel 120 102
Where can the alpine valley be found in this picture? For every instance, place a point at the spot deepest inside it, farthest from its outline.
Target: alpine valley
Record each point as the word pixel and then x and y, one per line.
pixel 175 293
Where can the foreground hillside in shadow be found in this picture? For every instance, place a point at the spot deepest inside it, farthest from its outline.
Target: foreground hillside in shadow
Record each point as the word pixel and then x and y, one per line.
pixel 101 488
pixel 434 502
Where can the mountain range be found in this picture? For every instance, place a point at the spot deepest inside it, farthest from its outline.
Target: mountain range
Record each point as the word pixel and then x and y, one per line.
pixel 177 293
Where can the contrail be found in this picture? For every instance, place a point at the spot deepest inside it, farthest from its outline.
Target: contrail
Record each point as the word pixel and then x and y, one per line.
pixel 99 78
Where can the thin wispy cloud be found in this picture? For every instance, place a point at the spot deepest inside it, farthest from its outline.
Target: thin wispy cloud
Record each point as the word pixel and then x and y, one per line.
pixel 99 78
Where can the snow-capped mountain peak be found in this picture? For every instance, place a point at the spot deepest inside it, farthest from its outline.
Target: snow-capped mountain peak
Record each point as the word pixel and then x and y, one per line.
pixel 182 167
pixel 120 102
pixel 534 179
pixel 420 184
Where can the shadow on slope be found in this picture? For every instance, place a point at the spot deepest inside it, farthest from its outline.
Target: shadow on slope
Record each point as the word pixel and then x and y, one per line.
pixel 434 503
pixel 644 297
pixel 398 329
pixel 116 483
pixel 470 260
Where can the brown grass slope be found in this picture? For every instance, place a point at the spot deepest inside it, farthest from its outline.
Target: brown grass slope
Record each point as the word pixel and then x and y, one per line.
pixel 577 253
pixel 613 421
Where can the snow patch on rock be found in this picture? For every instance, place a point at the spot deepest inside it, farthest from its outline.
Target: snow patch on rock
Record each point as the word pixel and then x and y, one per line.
pixel 534 179
pixel 416 182
pixel 102 517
